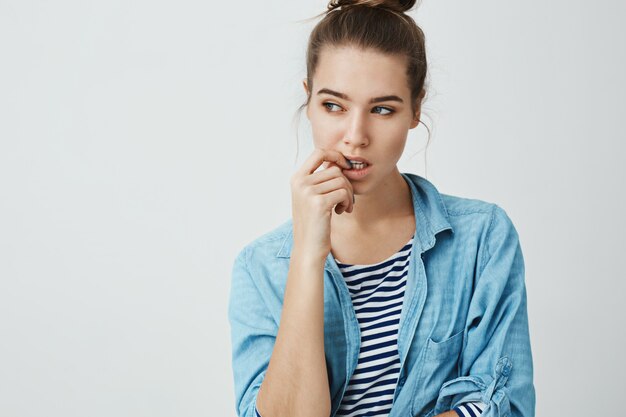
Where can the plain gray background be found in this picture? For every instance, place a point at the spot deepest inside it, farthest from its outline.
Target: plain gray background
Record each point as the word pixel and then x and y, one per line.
pixel 144 143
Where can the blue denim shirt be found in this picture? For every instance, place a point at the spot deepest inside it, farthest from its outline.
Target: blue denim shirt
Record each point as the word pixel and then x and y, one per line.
pixel 463 332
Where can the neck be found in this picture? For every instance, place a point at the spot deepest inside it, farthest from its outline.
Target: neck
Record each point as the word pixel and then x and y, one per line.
pixel 388 202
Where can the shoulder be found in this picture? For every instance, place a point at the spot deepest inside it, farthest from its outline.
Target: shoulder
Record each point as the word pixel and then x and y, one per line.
pixel 488 221
pixel 267 244
pixel 459 208
pixel 264 261
pixel 451 206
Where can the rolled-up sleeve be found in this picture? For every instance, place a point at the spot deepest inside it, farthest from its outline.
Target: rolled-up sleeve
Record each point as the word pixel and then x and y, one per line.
pixel 253 334
pixel 496 365
pixel 469 409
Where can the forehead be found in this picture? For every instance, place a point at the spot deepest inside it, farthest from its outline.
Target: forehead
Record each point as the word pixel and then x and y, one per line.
pixel 361 73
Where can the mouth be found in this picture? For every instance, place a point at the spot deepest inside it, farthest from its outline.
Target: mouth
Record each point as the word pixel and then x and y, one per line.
pixel 357 165
pixel 357 172
pixel 357 162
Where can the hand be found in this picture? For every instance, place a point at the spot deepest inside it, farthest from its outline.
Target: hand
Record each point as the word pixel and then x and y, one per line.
pixel 314 195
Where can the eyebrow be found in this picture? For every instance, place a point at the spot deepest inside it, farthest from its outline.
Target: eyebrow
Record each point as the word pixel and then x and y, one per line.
pixel 373 100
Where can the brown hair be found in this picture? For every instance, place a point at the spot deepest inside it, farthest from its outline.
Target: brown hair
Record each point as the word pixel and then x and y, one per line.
pixel 380 25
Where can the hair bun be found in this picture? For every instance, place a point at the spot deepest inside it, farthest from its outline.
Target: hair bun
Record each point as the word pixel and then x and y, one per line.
pixel 395 5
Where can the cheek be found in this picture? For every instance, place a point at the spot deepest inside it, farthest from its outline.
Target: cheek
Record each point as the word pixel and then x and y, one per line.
pixel 325 133
pixel 394 134
pixel 321 136
pixel 394 142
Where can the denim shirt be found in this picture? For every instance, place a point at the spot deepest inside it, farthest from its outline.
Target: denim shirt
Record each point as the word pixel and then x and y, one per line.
pixel 463 332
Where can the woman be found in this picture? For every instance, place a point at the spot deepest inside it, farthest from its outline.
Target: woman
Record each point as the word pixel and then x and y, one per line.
pixel 380 296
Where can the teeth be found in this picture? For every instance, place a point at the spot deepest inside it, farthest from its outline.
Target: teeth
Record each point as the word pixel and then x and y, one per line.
pixel 358 165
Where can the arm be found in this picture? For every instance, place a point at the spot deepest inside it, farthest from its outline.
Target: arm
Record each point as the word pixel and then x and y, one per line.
pixel 280 370
pixel 298 356
pixel 469 409
pixel 496 362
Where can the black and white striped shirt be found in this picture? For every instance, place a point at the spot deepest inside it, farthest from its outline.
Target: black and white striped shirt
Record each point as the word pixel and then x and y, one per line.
pixel 377 293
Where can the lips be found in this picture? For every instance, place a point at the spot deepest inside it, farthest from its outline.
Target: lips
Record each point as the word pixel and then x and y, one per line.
pixel 357 174
pixel 357 159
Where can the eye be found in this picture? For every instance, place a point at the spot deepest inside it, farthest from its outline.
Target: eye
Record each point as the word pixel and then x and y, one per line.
pixel 384 108
pixel 330 105
pixel 327 104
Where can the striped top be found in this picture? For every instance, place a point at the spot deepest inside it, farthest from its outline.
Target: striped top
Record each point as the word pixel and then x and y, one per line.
pixel 377 293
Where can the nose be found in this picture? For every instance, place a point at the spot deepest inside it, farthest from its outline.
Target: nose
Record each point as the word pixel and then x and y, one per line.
pixel 356 132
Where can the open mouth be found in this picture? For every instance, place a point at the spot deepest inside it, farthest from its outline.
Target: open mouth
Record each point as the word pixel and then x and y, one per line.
pixel 356 165
pixel 358 171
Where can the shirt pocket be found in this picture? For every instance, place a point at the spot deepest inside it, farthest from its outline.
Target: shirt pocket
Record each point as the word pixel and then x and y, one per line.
pixel 440 364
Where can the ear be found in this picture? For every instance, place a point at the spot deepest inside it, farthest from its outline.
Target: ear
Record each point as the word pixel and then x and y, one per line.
pixel 418 111
pixel 416 119
pixel 306 91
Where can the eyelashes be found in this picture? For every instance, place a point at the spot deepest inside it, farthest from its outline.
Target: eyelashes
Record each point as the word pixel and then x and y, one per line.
pixel 328 105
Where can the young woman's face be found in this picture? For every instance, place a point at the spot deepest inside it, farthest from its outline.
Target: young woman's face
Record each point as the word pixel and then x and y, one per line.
pixel 360 106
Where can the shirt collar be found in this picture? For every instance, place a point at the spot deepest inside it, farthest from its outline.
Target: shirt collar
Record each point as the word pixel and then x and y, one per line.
pixel 431 216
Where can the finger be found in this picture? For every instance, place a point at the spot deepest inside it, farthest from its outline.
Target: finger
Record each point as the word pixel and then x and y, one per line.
pixel 334 171
pixel 337 196
pixel 349 207
pixel 347 203
pixel 320 155
pixel 331 172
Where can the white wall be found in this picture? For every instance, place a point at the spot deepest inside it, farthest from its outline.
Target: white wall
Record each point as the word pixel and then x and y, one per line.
pixel 143 143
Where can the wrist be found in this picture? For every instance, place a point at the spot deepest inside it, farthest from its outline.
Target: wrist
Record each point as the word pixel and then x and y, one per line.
pixel 308 257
